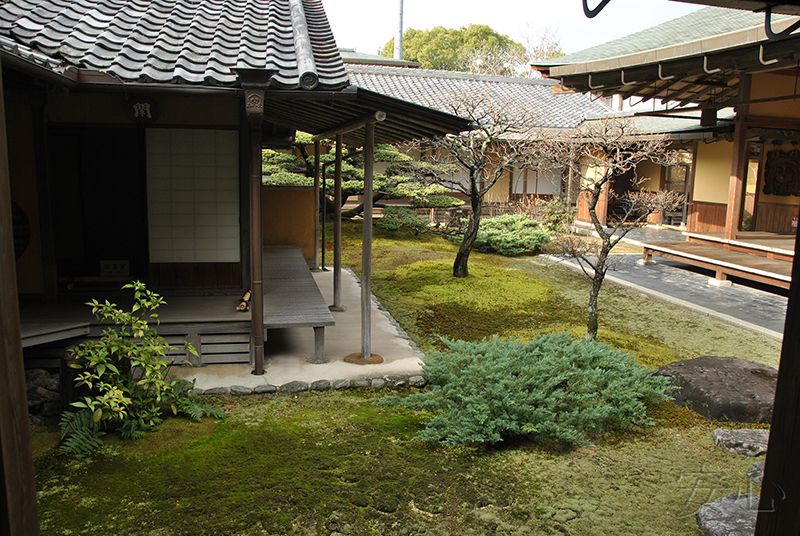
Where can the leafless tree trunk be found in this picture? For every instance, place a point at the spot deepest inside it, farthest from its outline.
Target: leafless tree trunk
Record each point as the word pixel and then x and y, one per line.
pixel 500 142
pixel 597 153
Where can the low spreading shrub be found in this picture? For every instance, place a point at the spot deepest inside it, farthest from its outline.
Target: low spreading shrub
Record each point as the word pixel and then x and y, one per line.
pixel 552 388
pixel 125 379
pixel 510 235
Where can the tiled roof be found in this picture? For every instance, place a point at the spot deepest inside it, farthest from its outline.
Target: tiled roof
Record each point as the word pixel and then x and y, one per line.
pixel 195 42
pixel 432 88
pixel 350 55
pixel 696 26
pixel 685 125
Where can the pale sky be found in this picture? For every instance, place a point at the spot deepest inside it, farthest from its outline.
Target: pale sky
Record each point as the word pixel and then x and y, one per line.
pixel 367 25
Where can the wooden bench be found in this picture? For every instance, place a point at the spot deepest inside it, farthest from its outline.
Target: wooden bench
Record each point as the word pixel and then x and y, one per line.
pixel 292 297
pixel 724 262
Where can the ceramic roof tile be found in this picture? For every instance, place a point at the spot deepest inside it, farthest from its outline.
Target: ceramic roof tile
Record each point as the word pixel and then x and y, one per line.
pixel 178 41
pixel 431 88
pixel 698 25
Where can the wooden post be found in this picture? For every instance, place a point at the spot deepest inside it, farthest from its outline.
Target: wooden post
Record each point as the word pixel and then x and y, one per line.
pixel 366 243
pixel 317 193
pixel 18 510
pixel 337 228
pixel 254 103
pixel 779 508
pixel 733 214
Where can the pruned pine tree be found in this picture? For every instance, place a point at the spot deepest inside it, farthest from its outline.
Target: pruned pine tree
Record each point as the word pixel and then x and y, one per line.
pixel 597 153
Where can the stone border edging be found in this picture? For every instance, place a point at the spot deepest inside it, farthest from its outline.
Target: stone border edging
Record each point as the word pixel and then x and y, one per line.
pixel 393 382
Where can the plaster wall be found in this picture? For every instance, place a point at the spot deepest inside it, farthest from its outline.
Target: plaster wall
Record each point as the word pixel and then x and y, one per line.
pixel 712 172
pixel 776 84
pixel 650 175
pixel 288 217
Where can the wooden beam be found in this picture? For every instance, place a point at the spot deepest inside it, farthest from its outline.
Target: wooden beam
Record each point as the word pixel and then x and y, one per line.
pixel 18 510
pixel 366 244
pixel 351 125
pixel 779 508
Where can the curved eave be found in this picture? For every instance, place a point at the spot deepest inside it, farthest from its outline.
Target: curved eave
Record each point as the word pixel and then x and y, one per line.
pixel 702 77
pixel 321 113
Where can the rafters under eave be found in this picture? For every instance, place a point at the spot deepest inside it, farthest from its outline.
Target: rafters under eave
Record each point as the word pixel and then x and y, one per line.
pixel 709 79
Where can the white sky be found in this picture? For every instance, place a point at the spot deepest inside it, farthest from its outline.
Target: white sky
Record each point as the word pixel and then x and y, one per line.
pixel 367 25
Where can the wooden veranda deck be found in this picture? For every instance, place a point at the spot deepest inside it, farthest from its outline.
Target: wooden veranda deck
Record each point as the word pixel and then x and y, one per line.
pixel 762 257
pixel 219 332
pixel 292 297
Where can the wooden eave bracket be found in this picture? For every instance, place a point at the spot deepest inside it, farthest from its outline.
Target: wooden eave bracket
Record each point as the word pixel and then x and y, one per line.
pixel 254 106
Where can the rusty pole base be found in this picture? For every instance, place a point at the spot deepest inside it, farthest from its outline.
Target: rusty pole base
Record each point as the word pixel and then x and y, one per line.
pixel 358 359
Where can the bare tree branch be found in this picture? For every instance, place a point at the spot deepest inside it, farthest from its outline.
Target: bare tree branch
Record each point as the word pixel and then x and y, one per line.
pixel 598 152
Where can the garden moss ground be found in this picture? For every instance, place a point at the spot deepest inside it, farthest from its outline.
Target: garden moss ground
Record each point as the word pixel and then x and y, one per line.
pixel 334 463
pixel 326 463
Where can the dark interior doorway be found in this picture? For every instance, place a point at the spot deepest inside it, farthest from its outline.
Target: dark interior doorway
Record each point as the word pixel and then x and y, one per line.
pixel 99 191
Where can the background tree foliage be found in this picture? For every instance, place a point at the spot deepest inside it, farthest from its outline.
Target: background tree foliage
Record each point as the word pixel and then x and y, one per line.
pixel 461 49
pixel 476 48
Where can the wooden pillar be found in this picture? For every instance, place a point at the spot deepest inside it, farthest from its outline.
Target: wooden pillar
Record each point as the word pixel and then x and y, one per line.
pixel 733 214
pixel 254 103
pixel 366 245
pixel 337 228
pixel 18 510
pixel 779 508
pixel 317 193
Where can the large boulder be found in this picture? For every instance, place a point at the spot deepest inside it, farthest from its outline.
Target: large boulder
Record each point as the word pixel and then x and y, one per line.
pixel 742 442
pixel 723 388
pixel 732 515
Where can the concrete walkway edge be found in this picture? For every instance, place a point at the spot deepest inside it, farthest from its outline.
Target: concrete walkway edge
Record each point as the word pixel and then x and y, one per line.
pixel 667 298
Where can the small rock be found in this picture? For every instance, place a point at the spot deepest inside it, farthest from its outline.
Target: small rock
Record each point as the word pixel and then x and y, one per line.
pixel 265 389
pixel 341 384
pixel 743 442
pixel 732 515
pixel 36 378
pixel 240 390
pixel 756 474
pixel 217 391
pixel 54 383
pixel 417 381
pixel 293 387
pixel 360 384
pixel 196 391
pixel 48 395
pixel 320 385
pixel 396 382
pixel 51 408
pixel 378 383
pixel 35 402
pixel 36 420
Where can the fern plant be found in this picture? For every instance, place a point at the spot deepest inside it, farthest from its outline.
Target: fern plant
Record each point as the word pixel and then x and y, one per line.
pixel 553 388
pixel 125 376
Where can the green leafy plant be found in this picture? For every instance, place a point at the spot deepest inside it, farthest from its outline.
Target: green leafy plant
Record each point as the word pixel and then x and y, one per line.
pixel 552 388
pixel 509 235
pixel 125 377
pixel 557 214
